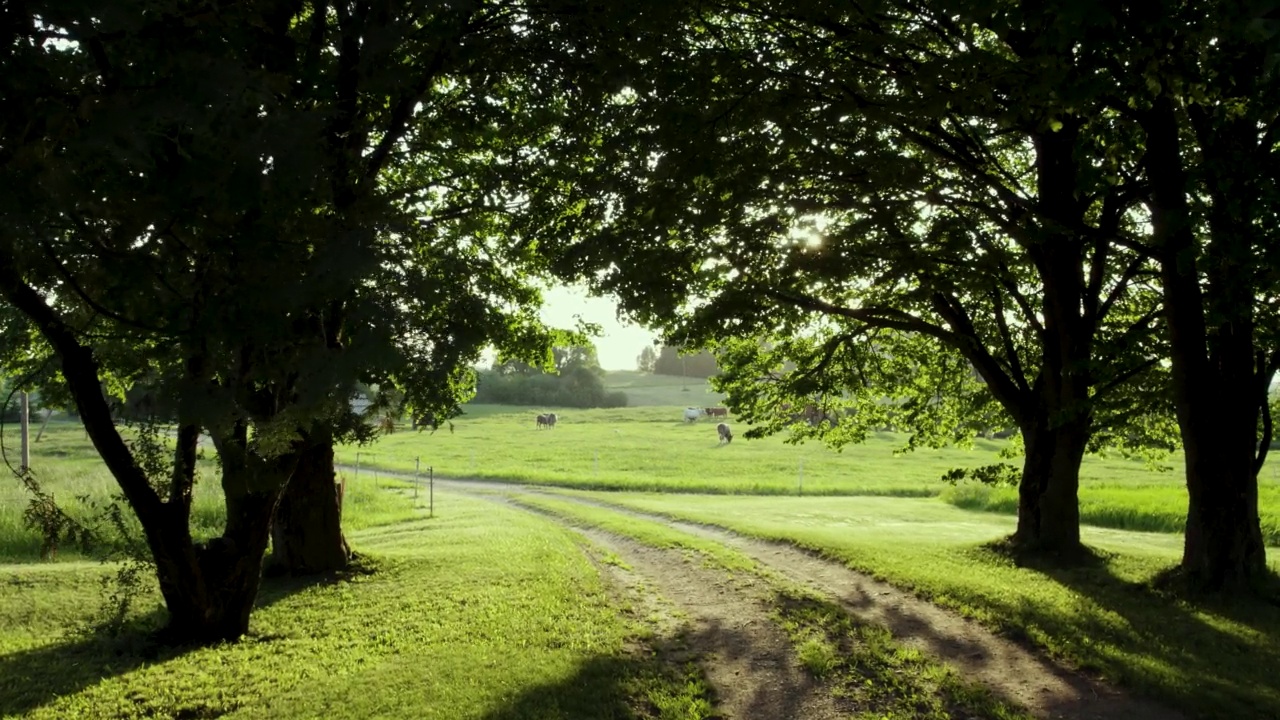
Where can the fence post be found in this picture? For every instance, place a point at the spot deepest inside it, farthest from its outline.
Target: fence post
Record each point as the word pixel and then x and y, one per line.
pixel 25 418
pixel 357 475
pixel 431 489
pixel 417 479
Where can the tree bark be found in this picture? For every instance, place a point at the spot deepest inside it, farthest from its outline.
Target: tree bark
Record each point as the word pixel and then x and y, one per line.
pixel 1048 493
pixel 307 534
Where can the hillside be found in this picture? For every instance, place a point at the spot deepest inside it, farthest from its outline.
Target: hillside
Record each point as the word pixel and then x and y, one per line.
pixel 643 389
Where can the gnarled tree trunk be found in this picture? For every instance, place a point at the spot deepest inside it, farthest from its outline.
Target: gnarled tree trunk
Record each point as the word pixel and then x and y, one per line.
pixel 307 535
pixel 210 588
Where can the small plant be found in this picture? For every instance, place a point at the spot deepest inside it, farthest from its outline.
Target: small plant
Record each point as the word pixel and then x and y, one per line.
pixel 818 656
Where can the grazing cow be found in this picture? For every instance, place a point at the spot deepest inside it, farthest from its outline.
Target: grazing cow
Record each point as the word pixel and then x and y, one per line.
pixel 551 420
pixel 692 414
pixel 716 412
pixel 544 421
pixel 726 435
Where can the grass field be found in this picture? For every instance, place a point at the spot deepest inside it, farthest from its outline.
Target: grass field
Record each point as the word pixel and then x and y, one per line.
pixel 652 449
pixel 1217 660
pixel 483 612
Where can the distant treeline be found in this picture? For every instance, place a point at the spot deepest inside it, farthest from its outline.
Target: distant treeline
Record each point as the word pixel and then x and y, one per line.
pixel 668 361
pixel 578 382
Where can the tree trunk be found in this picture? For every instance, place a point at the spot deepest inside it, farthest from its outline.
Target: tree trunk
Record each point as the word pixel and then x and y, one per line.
pixel 1048 493
pixel 210 588
pixel 1223 548
pixel 1217 387
pixel 307 534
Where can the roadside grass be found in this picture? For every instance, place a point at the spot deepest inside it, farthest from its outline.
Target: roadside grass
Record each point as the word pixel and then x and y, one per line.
pixel 880 677
pixel 1213 660
pixel 650 449
pixel 483 612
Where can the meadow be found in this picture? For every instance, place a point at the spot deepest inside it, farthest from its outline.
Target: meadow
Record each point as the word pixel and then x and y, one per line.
pixel 650 449
pixel 1213 659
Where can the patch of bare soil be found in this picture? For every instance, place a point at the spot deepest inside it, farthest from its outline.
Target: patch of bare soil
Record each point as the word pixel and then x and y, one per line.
pixel 1010 669
pixel 748 660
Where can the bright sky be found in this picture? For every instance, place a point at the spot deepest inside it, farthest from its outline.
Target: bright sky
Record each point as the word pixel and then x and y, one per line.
pixel 619 344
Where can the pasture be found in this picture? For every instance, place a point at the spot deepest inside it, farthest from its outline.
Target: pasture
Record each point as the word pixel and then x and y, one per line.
pixel 652 449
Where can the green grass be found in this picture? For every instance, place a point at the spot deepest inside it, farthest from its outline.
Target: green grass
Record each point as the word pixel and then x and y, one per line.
pixel 652 449
pixel 881 677
pixel 1216 660
pixel 483 612
pixel 66 465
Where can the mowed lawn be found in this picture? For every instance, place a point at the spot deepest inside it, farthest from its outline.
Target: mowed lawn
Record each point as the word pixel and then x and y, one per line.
pixel 481 612
pixel 652 449
pixel 1217 661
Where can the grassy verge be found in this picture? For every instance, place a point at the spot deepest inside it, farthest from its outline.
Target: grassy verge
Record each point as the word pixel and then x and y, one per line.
pixel 483 612
pixel 884 679
pixel 1214 661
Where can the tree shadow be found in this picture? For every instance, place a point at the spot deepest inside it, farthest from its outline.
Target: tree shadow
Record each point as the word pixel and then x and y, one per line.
pixel 653 684
pixel 33 678
pixel 1184 650
pixel 277 586
pixel 36 677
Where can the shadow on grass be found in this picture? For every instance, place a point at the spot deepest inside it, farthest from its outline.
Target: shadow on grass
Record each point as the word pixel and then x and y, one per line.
pixel 36 677
pixel 669 683
pixel 1212 656
pixel 277 586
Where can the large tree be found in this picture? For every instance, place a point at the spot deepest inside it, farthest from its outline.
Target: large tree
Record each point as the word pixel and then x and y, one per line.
pixel 1209 108
pixel 817 176
pixel 223 196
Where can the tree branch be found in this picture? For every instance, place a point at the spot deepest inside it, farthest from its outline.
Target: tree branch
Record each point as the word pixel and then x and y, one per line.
pixel 82 373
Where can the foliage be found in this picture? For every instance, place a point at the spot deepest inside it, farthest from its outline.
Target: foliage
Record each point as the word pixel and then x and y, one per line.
pixel 577 387
pixel 282 226
pixel 819 178
pixel 646 361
